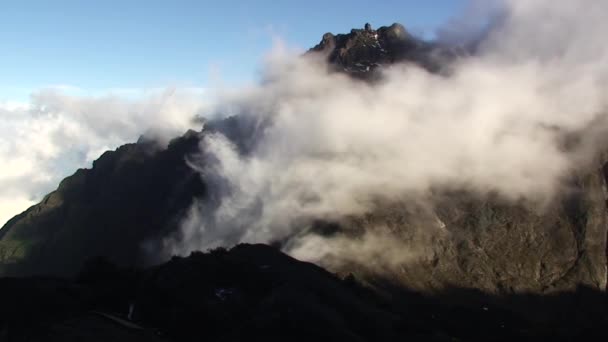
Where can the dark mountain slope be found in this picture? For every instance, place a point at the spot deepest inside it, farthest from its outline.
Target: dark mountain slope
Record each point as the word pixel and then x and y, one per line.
pixel 129 196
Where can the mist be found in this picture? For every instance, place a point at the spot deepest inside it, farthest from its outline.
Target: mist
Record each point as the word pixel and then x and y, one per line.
pixel 513 120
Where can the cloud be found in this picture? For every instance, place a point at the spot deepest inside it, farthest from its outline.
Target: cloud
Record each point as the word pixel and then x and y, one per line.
pixel 46 139
pixel 513 120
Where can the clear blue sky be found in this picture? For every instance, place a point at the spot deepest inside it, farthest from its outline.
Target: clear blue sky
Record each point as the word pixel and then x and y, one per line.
pixel 97 45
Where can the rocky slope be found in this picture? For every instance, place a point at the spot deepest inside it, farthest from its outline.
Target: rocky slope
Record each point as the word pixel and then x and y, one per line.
pixel 136 195
pixel 494 246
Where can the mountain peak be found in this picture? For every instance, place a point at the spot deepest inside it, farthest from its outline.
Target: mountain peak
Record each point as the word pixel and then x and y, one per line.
pixel 362 51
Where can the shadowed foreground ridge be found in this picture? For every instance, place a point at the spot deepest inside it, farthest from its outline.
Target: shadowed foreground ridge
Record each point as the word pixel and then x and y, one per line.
pixel 255 292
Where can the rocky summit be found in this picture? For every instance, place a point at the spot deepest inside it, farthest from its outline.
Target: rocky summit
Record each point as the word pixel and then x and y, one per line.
pixel 362 51
pixel 486 269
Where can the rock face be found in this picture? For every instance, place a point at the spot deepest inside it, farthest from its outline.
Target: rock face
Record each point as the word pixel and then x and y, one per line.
pixel 136 194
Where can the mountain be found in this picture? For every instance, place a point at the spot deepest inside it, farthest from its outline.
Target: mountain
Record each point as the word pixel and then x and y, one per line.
pixel 489 244
pixel 132 198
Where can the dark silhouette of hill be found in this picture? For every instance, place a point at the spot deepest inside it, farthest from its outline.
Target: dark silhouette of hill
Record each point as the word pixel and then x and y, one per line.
pixel 255 292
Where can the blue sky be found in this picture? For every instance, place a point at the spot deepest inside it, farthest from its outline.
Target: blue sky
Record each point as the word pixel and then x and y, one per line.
pixel 101 45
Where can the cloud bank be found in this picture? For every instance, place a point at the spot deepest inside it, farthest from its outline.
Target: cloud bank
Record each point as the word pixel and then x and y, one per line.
pixel 46 139
pixel 513 120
